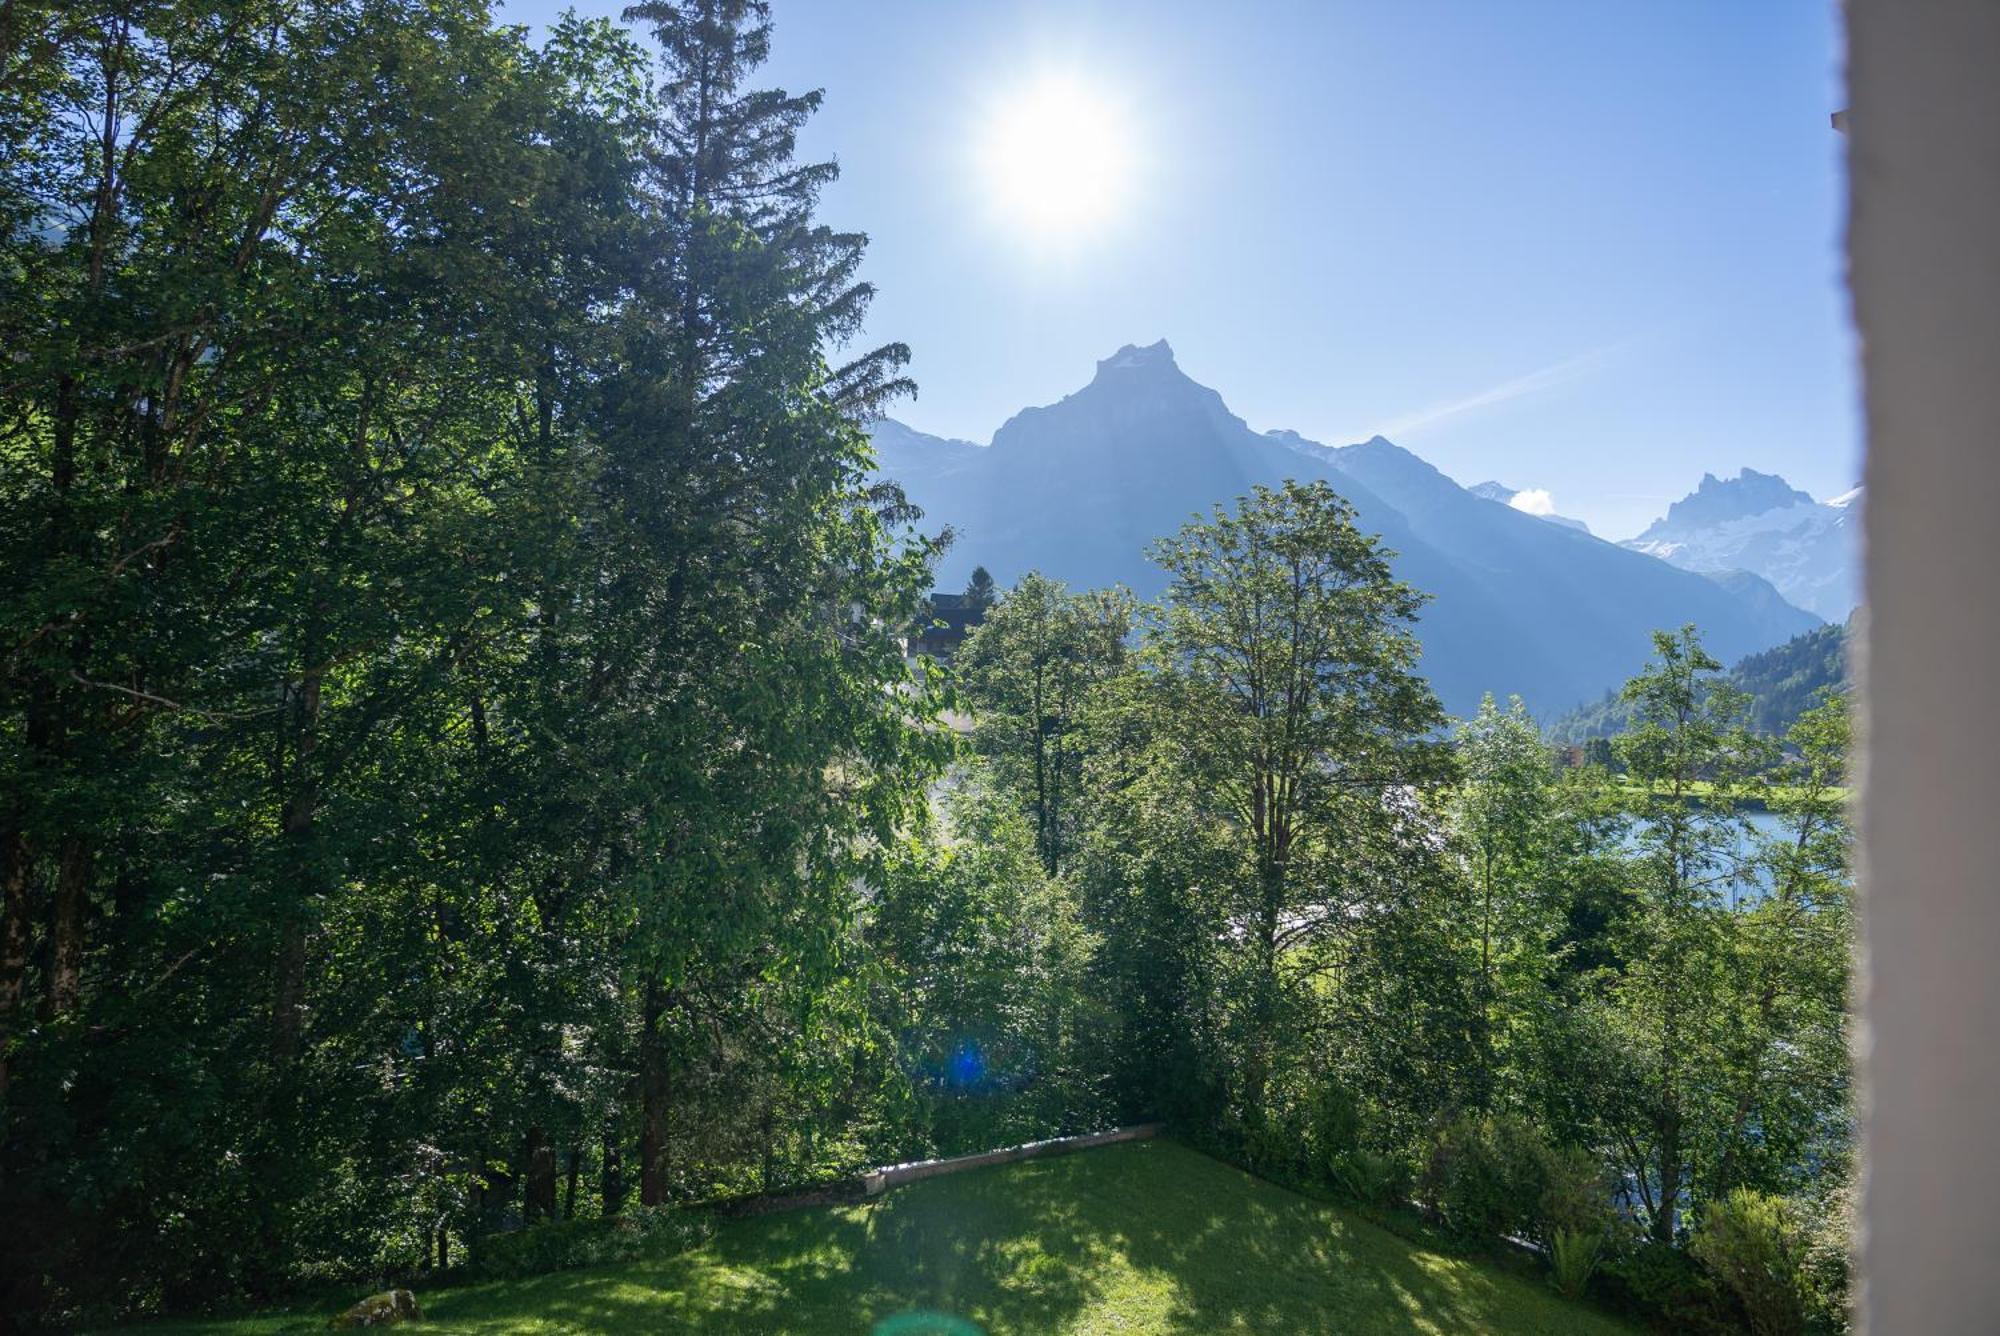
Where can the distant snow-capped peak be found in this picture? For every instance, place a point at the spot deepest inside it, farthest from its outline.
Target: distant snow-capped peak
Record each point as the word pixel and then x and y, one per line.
pixel 1760 523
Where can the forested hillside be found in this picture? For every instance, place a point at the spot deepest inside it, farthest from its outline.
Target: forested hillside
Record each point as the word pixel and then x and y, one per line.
pixel 1782 684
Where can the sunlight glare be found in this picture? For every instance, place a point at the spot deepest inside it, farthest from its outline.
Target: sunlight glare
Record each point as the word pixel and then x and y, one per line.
pixel 1057 157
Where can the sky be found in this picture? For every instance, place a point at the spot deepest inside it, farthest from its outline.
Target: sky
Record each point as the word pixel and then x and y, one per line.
pixel 1586 249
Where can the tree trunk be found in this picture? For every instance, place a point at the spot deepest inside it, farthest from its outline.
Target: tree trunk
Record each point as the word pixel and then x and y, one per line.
pixel 1664 1219
pixel 611 1175
pixel 288 991
pixel 496 1200
pixel 653 1094
pixel 1264 1013
pixel 539 1201
pixel 66 940
pixel 15 865
pixel 569 1187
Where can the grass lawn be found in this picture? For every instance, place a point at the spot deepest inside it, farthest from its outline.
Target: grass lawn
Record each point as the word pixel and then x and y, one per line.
pixel 1751 797
pixel 1139 1238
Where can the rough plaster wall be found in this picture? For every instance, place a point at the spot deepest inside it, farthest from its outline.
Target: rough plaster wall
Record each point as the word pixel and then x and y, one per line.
pixel 1924 246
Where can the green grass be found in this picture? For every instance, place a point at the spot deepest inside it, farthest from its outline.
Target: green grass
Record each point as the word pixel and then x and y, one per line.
pixel 1749 797
pixel 1142 1238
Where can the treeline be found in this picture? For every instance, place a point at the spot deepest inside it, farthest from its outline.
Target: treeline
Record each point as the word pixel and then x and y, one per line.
pixel 451 684
pixel 1782 682
pixel 1361 953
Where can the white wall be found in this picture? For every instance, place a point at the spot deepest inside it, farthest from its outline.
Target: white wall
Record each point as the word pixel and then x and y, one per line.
pixel 1924 242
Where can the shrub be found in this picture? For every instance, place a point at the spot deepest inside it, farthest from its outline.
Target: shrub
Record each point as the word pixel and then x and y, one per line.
pixel 1825 1265
pixel 644 1232
pixel 1484 1177
pixel 1368 1179
pixel 1659 1282
pixel 1753 1243
pixel 1573 1255
pixel 1575 1197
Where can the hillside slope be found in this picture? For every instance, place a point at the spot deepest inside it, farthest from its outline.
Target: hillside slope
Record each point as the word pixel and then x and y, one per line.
pixel 1142 1238
pixel 1783 682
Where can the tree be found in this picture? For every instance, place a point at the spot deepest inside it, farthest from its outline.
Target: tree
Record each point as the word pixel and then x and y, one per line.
pixel 445 620
pixel 1030 672
pixel 739 465
pixel 984 983
pixel 1286 678
pixel 1786 1090
pixel 979 591
pixel 1686 756
pixel 1502 817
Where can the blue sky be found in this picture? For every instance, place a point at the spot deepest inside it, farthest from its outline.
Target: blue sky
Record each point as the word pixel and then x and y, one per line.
pixel 1588 247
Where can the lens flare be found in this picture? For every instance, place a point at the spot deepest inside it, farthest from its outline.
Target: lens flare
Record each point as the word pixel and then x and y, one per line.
pixel 1057 156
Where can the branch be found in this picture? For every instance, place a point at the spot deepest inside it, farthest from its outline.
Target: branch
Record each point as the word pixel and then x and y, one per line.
pixel 213 716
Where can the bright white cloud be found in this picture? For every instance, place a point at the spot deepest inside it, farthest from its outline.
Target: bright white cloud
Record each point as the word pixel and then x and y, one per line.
pixel 1534 500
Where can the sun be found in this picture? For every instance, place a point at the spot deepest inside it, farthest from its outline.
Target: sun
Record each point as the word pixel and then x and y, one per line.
pixel 1057 157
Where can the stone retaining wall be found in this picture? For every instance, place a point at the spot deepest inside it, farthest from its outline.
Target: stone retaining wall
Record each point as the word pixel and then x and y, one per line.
pixel 876 1181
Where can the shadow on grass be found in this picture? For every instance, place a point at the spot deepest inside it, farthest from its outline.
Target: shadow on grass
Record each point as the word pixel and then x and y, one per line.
pixel 985 1248
pixel 1245 1255
pixel 1145 1238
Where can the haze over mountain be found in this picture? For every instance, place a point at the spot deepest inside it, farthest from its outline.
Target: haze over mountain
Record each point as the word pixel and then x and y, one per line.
pixel 1758 522
pixel 1080 488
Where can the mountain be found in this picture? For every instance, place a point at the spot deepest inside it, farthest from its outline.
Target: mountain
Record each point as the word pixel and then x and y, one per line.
pixel 1760 523
pixel 1783 683
pixel 1078 489
pixel 915 458
pixel 1505 495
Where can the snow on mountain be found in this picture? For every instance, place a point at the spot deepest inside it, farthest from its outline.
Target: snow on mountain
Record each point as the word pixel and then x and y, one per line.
pixel 1757 522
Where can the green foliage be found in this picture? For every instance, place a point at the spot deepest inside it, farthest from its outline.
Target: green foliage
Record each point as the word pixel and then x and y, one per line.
pixel 646 1233
pixel 1031 672
pixel 1494 1177
pixel 1663 1285
pixel 1826 1269
pixel 1575 1196
pixel 450 696
pixel 1504 825
pixel 1752 1241
pixel 983 985
pixel 1573 1258
pixel 979 589
pixel 1365 1178
pixel 1782 683
pixel 1483 1177
pixel 1282 669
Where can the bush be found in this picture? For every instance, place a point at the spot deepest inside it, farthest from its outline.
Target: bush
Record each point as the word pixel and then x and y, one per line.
pixel 1368 1179
pixel 1484 1177
pixel 1752 1241
pixel 1824 1267
pixel 644 1232
pixel 1575 1197
pixel 1659 1282
pixel 1573 1255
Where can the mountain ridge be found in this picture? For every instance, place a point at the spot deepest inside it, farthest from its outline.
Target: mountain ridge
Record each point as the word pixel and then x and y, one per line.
pixel 1080 488
pixel 1759 523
